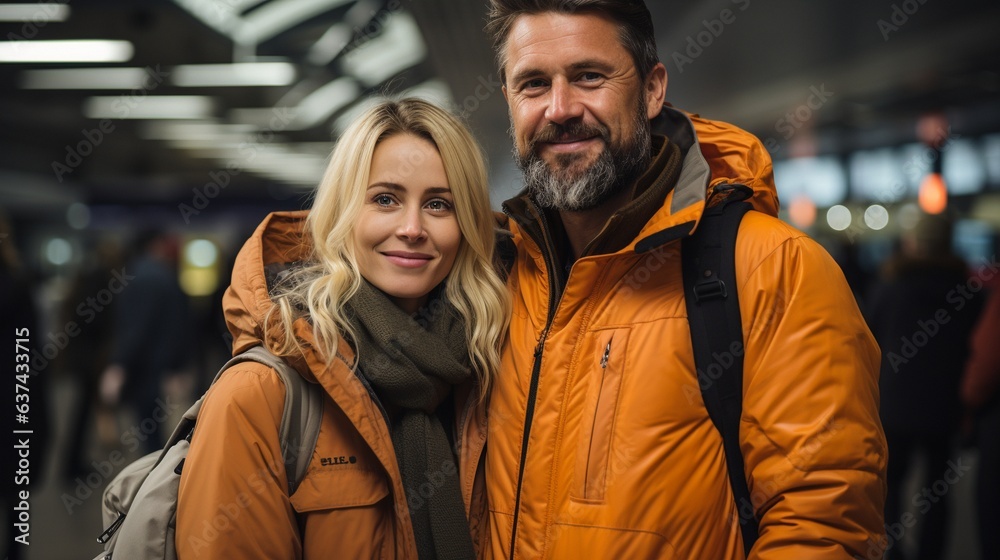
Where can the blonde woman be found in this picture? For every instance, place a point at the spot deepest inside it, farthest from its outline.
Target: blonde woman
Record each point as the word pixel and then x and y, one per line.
pixel 386 295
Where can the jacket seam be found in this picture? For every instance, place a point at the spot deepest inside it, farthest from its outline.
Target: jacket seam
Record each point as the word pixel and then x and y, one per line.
pixel 763 432
pixel 768 256
pixel 622 529
pixel 571 380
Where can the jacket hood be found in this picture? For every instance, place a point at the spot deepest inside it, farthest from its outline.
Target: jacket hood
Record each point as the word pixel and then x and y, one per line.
pixel 731 154
pixel 714 154
pixel 277 243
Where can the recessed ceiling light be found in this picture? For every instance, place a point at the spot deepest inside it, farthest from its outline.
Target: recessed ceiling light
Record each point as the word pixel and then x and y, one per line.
pixel 34 13
pixel 149 107
pixel 84 78
pixel 66 51
pixel 238 74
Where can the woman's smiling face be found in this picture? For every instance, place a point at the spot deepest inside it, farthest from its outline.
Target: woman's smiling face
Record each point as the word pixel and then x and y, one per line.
pixel 407 235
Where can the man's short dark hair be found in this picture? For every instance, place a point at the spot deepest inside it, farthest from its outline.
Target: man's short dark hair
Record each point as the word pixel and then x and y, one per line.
pixel 635 25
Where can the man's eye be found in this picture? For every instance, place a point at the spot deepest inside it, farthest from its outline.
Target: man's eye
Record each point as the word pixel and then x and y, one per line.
pixel 590 76
pixel 532 84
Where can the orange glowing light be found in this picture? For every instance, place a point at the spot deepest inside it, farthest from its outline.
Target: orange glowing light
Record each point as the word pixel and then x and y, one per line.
pixel 802 212
pixel 933 196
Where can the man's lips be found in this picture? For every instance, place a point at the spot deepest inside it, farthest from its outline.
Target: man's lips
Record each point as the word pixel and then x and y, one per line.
pixel 407 259
pixel 568 145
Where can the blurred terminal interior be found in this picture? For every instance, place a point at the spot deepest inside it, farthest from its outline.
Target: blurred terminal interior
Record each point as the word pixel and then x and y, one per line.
pixel 198 117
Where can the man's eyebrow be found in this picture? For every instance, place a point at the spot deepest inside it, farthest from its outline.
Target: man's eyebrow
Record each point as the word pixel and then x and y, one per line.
pixel 589 64
pixel 592 64
pixel 523 75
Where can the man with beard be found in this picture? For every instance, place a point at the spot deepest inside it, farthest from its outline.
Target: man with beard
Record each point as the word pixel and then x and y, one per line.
pixel 600 444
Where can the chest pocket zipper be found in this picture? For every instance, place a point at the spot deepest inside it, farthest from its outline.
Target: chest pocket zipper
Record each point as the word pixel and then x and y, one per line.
pixel 598 423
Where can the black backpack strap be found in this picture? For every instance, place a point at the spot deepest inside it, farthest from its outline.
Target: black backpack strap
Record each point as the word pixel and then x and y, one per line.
pixel 709 267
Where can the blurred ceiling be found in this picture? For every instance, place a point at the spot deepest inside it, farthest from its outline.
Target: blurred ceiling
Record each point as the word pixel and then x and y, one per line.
pixel 845 75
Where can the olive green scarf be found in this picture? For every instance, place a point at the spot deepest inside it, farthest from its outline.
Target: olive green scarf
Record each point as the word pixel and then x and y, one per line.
pixel 413 365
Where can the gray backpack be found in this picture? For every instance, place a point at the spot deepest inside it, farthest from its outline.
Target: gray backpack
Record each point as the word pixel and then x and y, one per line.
pixel 140 503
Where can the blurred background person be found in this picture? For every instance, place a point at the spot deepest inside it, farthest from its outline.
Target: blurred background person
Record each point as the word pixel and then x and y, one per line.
pixel 152 338
pixel 981 396
pixel 924 342
pixel 90 351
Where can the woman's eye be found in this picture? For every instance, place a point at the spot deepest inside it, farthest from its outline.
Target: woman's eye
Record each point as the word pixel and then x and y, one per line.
pixel 382 200
pixel 439 205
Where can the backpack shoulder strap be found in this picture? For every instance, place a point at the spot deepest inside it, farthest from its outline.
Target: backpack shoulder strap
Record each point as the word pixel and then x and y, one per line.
pixel 300 420
pixel 708 260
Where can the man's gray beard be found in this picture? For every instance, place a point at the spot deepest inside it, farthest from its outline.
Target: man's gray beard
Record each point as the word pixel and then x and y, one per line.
pixel 551 189
pixel 613 171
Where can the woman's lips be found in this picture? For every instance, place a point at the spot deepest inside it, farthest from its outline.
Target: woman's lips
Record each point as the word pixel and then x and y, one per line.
pixel 407 260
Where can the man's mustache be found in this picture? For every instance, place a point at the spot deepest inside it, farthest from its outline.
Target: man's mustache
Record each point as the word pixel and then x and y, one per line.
pixel 575 130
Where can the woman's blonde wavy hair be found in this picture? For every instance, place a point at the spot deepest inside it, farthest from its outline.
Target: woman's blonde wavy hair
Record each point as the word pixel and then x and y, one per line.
pixel 320 289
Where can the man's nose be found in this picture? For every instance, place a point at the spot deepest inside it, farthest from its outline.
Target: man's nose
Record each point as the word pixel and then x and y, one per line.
pixel 564 104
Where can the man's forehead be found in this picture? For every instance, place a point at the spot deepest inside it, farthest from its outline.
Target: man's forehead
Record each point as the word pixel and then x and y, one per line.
pixel 563 39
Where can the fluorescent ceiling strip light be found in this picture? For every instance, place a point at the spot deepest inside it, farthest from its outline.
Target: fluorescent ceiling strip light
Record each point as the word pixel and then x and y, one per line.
pixel 34 13
pixel 214 146
pixel 269 118
pixel 331 44
pixel 340 35
pixel 238 6
pixel 435 90
pixel 149 107
pixel 194 130
pixel 218 14
pixel 347 117
pixel 321 104
pixel 399 47
pixel 84 78
pixel 66 51
pixel 278 15
pixel 239 74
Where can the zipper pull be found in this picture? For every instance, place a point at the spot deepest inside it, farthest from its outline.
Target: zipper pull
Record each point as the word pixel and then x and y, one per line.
pixel 607 353
pixel 541 344
pixel 112 529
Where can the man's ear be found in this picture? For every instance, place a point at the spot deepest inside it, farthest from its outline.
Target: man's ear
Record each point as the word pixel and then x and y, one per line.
pixel 503 88
pixel 655 90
